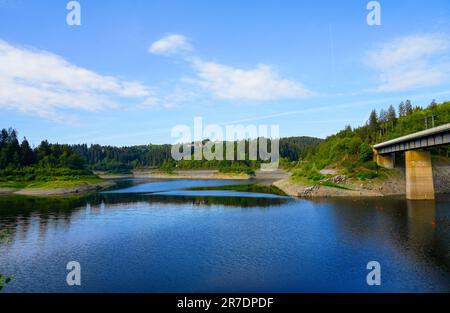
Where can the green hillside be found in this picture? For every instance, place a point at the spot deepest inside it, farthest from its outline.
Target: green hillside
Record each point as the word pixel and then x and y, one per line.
pixel 350 150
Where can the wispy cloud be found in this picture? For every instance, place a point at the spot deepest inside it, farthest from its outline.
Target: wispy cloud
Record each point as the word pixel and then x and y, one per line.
pixel 172 99
pixel 43 83
pixel 170 45
pixel 411 62
pixel 261 83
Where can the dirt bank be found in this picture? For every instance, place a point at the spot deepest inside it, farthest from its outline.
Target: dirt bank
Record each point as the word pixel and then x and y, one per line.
pixel 115 176
pixel 297 189
pixel 7 191
pixel 268 178
pixel 392 185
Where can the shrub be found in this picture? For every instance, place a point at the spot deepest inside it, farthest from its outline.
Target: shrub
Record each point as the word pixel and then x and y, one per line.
pixel 365 152
pixel 315 176
pixel 371 165
pixel 368 174
pixel 349 166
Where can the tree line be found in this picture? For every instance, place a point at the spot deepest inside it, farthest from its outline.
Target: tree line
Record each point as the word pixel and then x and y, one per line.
pixel 20 162
pixel 124 159
pixel 15 155
pixel 350 148
pixel 392 123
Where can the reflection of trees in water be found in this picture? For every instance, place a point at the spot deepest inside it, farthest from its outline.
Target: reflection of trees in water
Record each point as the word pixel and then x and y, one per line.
pixel 416 227
pixel 241 202
pixel 19 213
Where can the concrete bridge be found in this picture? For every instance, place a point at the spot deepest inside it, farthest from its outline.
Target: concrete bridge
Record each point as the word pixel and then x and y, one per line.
pixel 419 172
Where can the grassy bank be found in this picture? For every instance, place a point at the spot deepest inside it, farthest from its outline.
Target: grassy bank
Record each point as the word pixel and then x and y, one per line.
pixel 46 177
pixel 56 182
pixel 65 183
pixel 315 178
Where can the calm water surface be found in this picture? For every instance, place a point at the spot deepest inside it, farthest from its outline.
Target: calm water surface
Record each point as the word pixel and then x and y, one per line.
pixel 153 236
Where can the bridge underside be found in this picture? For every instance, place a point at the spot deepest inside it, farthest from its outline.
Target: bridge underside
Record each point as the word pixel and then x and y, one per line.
pixel 412 143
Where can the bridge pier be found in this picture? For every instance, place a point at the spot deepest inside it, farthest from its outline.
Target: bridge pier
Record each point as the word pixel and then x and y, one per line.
pixel 419 175
pixel 384 160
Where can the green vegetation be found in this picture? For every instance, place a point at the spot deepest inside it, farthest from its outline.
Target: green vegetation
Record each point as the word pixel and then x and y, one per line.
pixel 122 160
pixel 58 183
pixel 367 174
pixel 239 167
pixel 334 185
pixel 350 150
pixel 234 167
pixel 47 166
pixel 55 165
pixel 309 176
pixel 293 149
pixel 246 188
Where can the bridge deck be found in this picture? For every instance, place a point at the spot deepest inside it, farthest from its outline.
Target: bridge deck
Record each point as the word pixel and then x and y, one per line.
pixel 428 138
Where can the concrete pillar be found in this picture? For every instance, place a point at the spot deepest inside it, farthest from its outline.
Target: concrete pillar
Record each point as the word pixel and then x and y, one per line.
pixel 384 160
pixel 419 175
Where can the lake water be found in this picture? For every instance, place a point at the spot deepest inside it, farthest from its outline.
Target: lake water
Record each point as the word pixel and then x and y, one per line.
pixel 154 236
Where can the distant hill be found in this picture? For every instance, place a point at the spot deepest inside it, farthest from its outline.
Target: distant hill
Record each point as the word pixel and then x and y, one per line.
pixel 296 148
pixel 124 159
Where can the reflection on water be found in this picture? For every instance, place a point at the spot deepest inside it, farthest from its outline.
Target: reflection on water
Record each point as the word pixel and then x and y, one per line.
pixel 217 193
pixel 140 242
pixel 23 209
pixel 144 186
pixel 420 228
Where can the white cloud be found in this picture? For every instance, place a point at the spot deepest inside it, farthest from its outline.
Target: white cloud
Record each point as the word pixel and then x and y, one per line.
pixel 258 84
pixel 229 83
pixel 411 62
pixel 171 45
pixel 43 83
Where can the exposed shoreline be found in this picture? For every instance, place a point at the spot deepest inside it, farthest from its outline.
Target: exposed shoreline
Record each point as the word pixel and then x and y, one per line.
pixel 393 185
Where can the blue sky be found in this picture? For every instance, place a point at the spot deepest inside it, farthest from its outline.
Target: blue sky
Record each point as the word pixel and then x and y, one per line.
pixel 135 69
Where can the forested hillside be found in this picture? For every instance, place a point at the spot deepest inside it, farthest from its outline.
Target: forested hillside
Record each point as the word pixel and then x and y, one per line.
pixel 351 149
pixel 124 159
pixel 20 162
